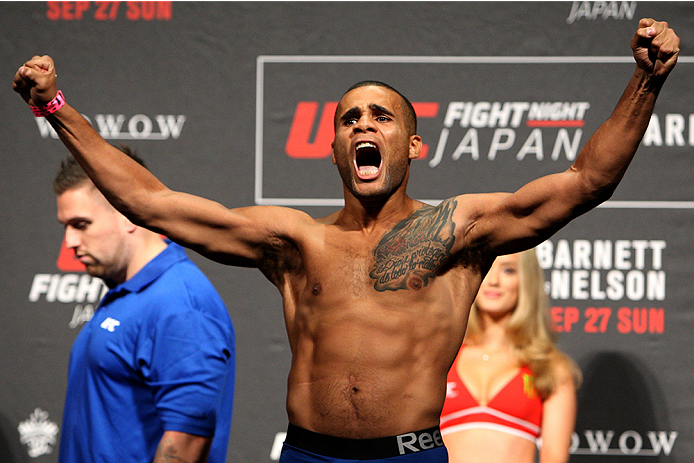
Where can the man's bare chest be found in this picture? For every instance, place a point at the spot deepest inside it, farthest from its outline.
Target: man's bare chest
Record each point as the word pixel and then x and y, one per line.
pixel 382 266
pixel 407 255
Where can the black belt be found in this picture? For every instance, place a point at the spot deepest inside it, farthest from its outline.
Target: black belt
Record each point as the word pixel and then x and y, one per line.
pixel 364 449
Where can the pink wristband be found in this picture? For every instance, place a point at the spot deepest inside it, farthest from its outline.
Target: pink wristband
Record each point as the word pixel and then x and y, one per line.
pixel 50 107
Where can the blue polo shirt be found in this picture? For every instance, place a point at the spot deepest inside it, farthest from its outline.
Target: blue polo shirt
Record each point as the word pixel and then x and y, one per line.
pixel 159 354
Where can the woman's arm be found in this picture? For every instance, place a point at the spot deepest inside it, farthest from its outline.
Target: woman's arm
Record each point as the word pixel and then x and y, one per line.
pixel 559 417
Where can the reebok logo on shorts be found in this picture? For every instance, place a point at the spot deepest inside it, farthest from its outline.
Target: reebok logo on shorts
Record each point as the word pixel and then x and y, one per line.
pixel 413 442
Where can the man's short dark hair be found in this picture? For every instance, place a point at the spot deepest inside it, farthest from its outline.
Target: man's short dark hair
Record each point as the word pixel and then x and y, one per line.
pixel 410 114
pixel 71 175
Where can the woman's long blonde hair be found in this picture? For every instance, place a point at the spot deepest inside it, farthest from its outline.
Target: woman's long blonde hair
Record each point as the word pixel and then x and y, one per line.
pixel 529 329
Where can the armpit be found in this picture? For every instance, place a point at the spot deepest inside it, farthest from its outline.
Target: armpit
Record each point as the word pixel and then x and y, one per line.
pixel 279 257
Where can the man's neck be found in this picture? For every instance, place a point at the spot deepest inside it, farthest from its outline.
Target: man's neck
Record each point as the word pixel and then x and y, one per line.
pixel 371 215
pixel 148 246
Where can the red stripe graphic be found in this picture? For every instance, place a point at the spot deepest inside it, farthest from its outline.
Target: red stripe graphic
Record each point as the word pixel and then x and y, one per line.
pixel 572 123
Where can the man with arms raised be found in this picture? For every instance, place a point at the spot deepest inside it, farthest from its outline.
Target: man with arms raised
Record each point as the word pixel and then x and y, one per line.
pixel 376 295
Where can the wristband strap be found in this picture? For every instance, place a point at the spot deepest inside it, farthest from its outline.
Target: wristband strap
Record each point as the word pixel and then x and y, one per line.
pixel 50 107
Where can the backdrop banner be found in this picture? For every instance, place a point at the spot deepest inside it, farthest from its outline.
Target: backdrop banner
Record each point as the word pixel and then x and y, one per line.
pixel 234 101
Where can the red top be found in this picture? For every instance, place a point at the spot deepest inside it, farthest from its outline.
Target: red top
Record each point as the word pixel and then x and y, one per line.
pixel 516 409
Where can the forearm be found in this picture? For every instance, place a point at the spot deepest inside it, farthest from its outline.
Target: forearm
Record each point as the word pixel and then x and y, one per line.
pixel 608 153
pixel 126 184
pixel 179 447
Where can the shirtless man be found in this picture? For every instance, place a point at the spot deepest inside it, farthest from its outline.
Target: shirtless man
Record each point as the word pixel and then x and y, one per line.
pixel 375 296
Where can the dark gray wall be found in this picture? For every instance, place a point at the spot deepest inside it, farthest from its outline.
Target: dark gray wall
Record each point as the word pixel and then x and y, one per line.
pixel 209 94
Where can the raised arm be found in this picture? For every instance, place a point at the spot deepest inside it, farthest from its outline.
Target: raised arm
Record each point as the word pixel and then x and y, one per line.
pixel 512 222
pixel 230 236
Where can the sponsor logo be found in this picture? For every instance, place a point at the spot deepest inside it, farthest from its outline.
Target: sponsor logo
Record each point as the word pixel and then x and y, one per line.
pixel 122 127
pixel 38 433
pixel 464 126
pixel 66 288
pixel 601 10
pixel 451 390
pixel 608 442
pixel 416 442
pixel 305 143
pixel 529 386
pixel 505 118
pixel 74 287
pixel 110 324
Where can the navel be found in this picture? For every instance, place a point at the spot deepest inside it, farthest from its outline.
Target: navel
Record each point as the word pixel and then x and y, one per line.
pixel 317 289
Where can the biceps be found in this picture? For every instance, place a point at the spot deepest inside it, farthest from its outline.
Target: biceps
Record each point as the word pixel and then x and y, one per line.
pixel 536 211
pixel 232 236
pixel 551 198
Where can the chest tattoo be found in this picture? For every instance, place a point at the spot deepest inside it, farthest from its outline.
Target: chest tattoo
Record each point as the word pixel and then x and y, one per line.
pixel 415 249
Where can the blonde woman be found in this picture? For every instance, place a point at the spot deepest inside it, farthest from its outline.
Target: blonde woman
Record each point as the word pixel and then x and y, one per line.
pixel 510 390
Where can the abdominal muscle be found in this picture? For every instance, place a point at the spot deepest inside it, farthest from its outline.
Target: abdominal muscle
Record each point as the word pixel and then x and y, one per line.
pixel 367 372
pixel 358 402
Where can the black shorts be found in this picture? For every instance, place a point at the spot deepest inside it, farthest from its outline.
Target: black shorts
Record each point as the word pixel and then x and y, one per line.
pixel 303 446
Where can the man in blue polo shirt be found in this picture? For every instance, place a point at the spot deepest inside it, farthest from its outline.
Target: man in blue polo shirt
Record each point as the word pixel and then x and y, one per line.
pixel 151 376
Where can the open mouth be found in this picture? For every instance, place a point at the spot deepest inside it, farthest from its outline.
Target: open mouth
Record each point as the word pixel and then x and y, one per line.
pixel 367 160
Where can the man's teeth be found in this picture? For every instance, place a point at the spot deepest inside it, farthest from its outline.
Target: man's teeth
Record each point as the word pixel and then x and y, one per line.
pixel 367 170
pixel 366 144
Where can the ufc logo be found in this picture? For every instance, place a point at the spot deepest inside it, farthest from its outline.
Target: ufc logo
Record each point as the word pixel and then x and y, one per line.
pixel 301 144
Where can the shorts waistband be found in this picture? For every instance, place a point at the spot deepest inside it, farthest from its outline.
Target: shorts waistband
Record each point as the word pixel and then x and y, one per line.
pixel 364 449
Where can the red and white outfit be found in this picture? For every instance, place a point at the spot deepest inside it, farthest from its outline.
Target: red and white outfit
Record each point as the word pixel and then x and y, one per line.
pixel 516 409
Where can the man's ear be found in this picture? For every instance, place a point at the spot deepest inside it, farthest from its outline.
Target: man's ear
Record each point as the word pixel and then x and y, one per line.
pixel 415 146
pixel 129 226
pixel 332 152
